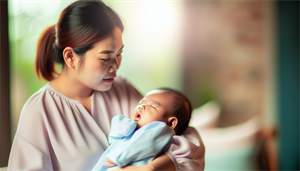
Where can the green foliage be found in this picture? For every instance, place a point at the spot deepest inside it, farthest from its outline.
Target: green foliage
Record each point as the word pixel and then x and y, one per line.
pixel 26 22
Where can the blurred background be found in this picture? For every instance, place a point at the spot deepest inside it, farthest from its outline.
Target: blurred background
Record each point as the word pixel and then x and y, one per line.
pixel 237 61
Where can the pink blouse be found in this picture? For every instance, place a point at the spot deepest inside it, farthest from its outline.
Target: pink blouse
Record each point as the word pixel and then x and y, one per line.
pixel 57 133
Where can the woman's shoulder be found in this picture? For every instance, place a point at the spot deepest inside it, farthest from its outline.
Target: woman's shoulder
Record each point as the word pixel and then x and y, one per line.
pixel 44 99
pixel 31 114
pixel 36 99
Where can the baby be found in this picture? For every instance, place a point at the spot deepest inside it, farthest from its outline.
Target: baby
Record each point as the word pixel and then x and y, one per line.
pixel 137 141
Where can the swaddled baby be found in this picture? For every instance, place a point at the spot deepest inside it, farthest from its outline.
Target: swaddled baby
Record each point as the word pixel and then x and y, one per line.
pixel 138 140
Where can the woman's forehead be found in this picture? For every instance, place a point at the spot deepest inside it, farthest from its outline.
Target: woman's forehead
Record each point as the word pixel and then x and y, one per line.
pixel 111 42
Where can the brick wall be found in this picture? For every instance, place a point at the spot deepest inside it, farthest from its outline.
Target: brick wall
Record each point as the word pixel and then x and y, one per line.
pixel 227 56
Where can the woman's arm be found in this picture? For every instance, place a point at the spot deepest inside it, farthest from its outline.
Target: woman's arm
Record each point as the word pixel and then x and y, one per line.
pixel 187 151
pixel 30 148
pixel 183 153
pixel 162 162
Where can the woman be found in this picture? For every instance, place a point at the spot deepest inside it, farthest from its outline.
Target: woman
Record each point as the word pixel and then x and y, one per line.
pixel 65 124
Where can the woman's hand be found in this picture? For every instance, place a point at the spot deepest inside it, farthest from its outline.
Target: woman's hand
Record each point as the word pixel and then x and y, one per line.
pixel 109 163
pixel 134 168
pixel 162 162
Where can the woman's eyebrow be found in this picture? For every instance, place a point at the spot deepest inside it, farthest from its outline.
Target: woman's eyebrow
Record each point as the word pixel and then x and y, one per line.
pixel 110 51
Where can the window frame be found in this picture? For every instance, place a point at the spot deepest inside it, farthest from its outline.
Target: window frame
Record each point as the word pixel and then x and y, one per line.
pixel 5 140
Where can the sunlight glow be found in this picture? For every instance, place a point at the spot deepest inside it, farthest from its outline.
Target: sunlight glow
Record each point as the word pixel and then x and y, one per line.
pixel 157 17
pixel 34 8
pixel 152 37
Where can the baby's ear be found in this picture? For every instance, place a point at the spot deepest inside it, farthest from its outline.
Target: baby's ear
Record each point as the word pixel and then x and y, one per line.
pixel 172 122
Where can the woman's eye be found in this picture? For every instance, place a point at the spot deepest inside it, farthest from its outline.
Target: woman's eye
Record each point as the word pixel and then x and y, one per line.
pixel 120 53
pixel 107 59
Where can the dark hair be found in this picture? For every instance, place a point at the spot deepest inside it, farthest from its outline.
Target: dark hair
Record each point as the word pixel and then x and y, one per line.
pixel 80 25
pixel 181 108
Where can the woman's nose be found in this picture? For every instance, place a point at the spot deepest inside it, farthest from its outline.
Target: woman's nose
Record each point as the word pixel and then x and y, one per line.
pixel 115 65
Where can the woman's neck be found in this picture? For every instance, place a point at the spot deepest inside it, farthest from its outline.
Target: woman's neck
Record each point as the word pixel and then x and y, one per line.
pixel 70 87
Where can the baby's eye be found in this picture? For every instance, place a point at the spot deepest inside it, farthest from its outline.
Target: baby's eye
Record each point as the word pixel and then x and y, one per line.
pixel 153 106
pixel 119 54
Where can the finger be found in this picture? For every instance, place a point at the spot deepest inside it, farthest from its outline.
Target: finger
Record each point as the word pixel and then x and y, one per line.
pixel 107 164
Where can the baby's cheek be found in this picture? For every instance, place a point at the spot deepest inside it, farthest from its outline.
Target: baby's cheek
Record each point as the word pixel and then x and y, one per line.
pixel 132 114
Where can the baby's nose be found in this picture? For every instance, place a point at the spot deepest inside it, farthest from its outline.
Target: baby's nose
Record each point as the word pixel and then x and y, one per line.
pixel 142 106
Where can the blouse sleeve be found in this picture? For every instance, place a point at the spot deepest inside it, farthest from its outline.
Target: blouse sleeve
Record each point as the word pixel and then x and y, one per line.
pixel 187 151
pixel 30 149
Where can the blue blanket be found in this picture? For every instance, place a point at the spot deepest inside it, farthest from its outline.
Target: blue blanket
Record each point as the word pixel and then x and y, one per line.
pixel 130 147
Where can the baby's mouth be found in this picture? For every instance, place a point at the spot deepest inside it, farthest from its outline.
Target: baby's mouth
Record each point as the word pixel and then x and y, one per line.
pixel 137 117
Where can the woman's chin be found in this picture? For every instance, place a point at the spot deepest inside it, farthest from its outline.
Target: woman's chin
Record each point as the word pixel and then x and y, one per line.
pixel 103 87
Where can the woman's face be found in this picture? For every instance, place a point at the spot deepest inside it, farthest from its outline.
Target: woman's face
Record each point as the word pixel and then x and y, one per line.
pixel 100 64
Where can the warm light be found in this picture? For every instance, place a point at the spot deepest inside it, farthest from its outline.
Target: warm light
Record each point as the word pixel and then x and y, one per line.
pixel 153 43
pixel 157 16
pixel 34 8
pixel 160 18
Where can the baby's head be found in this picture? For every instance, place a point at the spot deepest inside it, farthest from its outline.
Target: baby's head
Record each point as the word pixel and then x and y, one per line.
pixel 166 105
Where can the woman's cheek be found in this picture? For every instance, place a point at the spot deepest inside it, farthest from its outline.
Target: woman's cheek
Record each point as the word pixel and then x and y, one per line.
pixel 93 64
pixel 95 67
pixel 91 71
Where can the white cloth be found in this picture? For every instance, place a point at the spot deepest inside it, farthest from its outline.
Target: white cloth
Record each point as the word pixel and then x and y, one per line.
pixel 57 133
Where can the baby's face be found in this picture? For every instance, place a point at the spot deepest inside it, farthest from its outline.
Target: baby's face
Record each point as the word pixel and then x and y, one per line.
pixel 153 107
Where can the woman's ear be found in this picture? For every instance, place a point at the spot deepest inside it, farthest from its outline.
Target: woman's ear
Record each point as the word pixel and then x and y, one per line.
pixel 172 122
pixel 69 57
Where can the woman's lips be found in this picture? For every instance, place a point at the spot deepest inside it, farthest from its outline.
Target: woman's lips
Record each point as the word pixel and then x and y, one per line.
pixel 109 80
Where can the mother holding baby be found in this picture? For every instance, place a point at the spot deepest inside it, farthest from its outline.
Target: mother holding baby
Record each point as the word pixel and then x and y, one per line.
pixel 65 125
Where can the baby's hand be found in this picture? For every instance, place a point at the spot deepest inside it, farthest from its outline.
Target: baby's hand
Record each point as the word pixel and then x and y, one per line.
pixel 109 163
